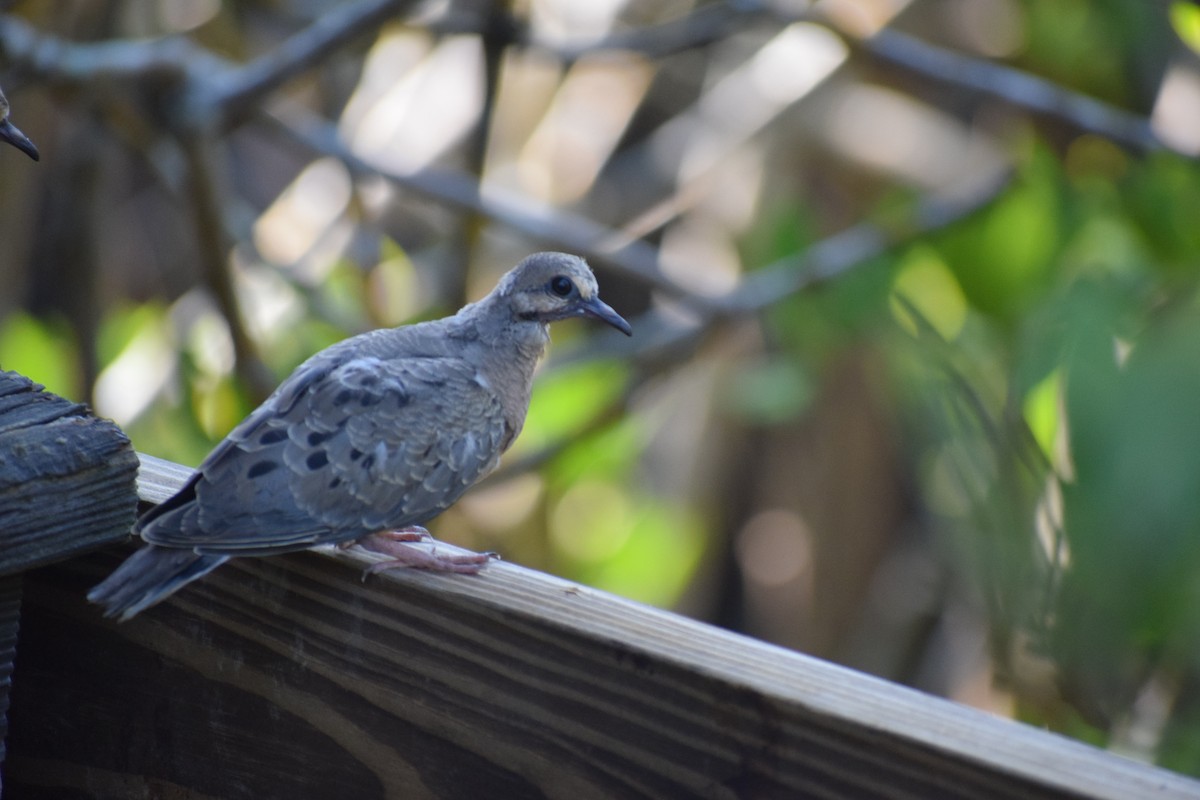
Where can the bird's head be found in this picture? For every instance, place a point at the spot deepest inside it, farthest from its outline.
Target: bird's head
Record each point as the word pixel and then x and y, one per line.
pixel 551 286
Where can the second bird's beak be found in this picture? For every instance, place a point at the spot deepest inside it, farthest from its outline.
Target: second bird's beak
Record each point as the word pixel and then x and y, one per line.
pixel 598 309
pixel 11 134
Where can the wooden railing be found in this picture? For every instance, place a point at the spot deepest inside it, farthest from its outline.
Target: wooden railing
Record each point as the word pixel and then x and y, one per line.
pixel 294 677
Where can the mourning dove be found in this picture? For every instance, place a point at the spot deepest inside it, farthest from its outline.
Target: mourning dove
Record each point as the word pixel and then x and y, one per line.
pixel 365 441
pixel 11 134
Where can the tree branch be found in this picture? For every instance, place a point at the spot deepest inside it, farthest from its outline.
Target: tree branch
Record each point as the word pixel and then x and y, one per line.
pixel 1020 88
pixel 1012 85
pixel 212 89
pixel 158 61
pixel 636 259
pixel 841 252
pixel 236 90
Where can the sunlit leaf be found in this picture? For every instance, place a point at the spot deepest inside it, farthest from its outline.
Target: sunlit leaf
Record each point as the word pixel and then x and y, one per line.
pixel 218 405
pixel 592 521
pixel 169 430
pixel 1004 257
pixel 924 281
pixel 42 352
pixel 121 325
pixel 659 556
pixel 141 364
pixel 1185 19
pixel 1042 413
pixel 613 452
pixel 566 398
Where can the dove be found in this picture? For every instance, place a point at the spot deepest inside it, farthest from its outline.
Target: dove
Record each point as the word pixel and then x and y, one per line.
pixel 365 441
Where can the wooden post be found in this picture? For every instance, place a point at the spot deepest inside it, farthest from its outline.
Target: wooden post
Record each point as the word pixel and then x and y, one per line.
pixel 67 478
pixel 67 485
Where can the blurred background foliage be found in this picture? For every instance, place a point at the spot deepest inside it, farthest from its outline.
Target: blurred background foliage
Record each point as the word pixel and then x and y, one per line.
pixel 915 375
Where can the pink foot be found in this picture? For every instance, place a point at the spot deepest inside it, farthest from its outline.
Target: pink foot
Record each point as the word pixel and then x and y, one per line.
pixel 398 545
pixel 413 533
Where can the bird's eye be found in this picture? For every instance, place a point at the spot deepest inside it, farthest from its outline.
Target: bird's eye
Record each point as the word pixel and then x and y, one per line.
pixel 561 285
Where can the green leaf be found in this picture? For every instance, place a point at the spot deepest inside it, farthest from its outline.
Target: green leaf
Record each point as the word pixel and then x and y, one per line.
pixel 122 325
pixel 657 557
pixel 41 351
pixel 1185 19
pixel 568 397
pixel 1006 255
pixel 1041 411
pixel 925 281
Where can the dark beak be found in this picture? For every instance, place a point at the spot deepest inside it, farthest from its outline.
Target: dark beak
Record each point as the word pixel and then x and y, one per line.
pixel 603 311
pixel 11 134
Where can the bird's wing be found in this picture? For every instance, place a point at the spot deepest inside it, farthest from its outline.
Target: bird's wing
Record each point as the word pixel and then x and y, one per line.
pixel 337 452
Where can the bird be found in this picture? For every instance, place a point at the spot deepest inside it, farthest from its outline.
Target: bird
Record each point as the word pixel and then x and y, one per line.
pixel 365 441
pixel 11 134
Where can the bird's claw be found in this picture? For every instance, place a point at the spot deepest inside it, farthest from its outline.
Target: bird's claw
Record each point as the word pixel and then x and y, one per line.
pixel 398 545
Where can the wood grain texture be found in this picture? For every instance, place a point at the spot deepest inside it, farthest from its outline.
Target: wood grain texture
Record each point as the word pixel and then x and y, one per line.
pixel 67 478
pixel 158 478
pixel 291 677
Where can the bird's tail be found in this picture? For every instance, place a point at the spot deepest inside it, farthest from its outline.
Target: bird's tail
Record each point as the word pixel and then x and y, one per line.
pixel 148 576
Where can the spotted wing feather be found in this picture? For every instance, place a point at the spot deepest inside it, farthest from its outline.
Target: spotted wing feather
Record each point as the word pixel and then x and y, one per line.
pixel 338 453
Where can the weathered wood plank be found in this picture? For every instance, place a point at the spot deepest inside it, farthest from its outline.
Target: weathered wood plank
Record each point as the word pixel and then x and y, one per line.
pixel 290 677
pixel 67 478
pixel 158 478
